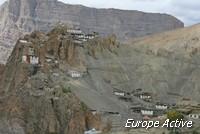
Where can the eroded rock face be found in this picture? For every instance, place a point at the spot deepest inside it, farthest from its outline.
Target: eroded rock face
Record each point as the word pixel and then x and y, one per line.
pixel 37 100
pixel 19 17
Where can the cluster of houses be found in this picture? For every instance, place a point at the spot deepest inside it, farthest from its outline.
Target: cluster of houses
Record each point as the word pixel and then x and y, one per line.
pixel 30 57
pixel 156 110
pixel 145 96
pixel 79 37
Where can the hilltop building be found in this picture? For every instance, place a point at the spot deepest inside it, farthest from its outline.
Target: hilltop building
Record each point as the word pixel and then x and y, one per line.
pixel 79 36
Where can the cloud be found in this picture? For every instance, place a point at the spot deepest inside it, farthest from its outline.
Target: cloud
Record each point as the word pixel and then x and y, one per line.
pixel 2 1
pixel 187 10
pixel 187 4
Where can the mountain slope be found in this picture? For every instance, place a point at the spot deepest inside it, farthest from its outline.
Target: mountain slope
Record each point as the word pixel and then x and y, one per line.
pixel 19 17
pixel 173 61
pixel 165 65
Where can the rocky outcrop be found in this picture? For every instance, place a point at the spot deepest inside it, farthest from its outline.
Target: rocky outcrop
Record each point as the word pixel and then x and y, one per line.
pixel 36 99
pixel 19 17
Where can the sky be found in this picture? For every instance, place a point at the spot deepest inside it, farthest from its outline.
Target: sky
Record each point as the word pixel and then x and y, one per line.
pixel 185 10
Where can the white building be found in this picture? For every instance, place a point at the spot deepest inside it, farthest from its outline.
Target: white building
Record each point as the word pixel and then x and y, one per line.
pixel 147 112
pixel 75 74
pixel 80 35
pixel 160 106
pixel 94 112
pixel 118 93
pixel 194 115
pixel 34 60
pixel 74 31
pixel 89 36
pixel 145 96
pixel 23 41
pixel 48 60
pixel 24 59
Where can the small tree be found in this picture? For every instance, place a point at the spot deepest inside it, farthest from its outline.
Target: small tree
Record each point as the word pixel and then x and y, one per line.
pixel 66 90
pixel 173 115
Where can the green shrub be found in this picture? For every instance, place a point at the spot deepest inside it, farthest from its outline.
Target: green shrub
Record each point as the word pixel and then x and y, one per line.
pixel 174 115
pixel 66 90
pixel 83 106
